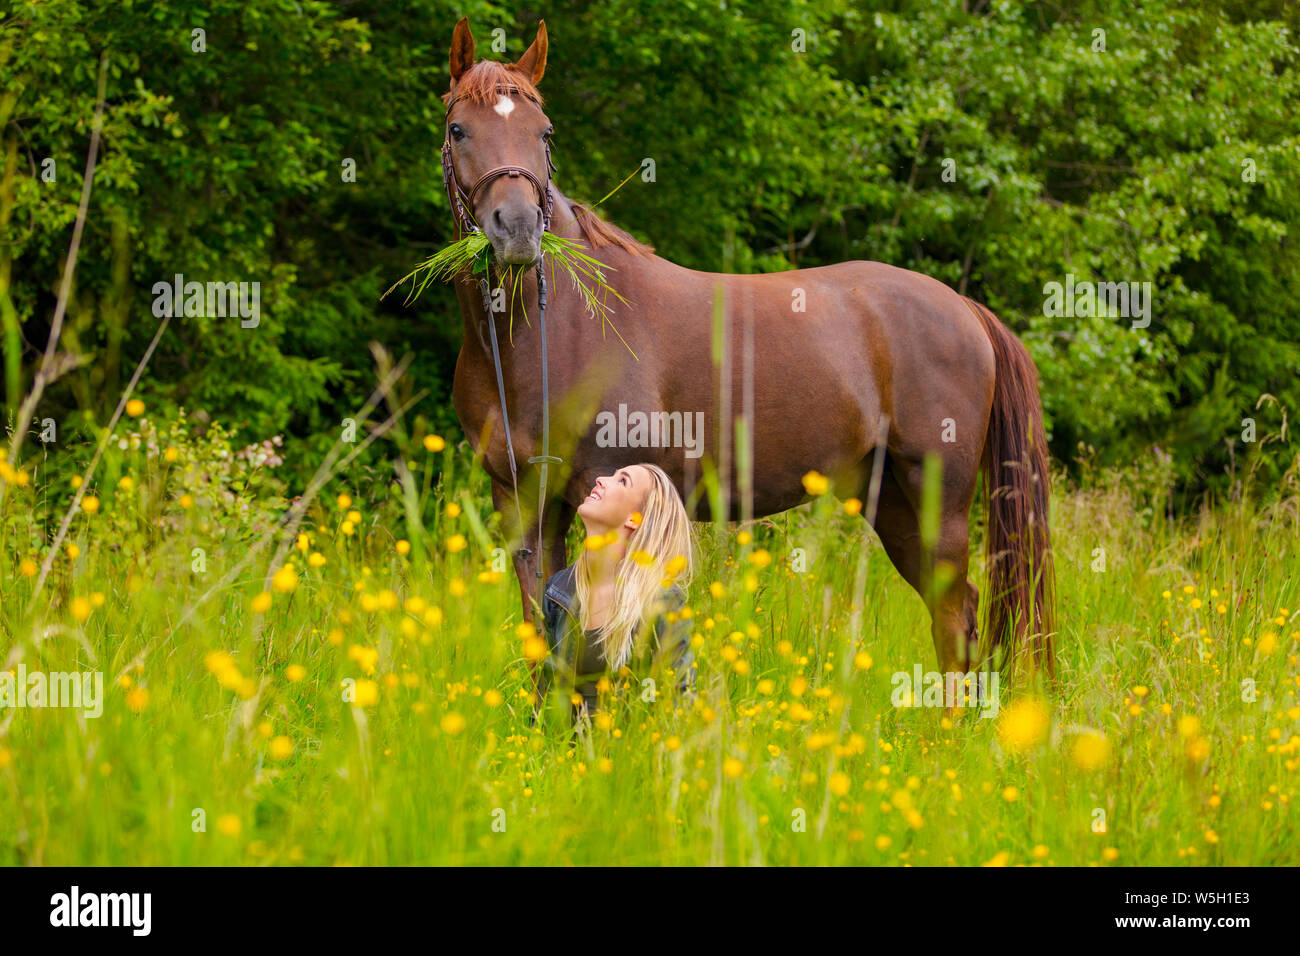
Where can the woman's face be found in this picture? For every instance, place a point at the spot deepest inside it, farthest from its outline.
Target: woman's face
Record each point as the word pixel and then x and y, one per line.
pixel 614 498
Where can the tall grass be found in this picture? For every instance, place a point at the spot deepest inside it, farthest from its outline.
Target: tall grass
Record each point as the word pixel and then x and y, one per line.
pixel 793 752
pixel 471 255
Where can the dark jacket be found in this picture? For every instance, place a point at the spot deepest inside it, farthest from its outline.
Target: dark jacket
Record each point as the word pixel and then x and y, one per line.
pixel 573 664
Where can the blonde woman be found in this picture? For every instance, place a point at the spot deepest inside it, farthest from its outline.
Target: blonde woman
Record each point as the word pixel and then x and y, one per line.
pixel 611 607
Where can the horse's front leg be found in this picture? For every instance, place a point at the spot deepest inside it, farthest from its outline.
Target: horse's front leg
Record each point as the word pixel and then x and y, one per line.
pixel 535 560
pixel 524 547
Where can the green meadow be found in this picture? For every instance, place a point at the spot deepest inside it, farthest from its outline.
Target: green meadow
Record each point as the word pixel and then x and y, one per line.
pixel 353 688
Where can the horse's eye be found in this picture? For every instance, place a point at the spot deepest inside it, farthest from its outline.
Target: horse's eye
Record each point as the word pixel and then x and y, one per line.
pixel 548 134
pixel 457 134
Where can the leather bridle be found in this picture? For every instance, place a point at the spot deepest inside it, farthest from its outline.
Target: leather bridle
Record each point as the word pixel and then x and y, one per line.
pixel 462 202
pixel 461 205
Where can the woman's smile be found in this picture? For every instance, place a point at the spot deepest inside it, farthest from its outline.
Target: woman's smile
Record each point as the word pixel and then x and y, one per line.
pixel 613 498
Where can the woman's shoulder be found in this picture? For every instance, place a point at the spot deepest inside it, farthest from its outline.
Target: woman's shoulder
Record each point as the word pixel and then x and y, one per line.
pixel 560 581
pixel 560 589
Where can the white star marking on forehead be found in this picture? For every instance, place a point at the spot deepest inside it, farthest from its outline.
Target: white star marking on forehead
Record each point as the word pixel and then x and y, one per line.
pixel 505 106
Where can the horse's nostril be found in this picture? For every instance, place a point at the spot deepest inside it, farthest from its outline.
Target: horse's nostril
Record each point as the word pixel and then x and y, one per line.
pixel 496 217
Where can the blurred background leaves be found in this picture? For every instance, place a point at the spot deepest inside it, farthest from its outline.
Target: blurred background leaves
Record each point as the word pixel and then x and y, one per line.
pixel 1122 164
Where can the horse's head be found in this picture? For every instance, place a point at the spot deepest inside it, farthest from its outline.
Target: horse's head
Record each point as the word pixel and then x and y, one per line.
pixel 496 155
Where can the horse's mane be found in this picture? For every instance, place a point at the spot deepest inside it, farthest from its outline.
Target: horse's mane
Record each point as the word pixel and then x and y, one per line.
pixel 599 233
pixel 478 85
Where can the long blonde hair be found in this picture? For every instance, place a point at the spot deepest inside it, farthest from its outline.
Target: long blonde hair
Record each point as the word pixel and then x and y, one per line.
pixel 659 554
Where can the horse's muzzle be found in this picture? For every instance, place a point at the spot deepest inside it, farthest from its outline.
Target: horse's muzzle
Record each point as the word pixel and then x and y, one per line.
pixel 515 232
pixel 517 252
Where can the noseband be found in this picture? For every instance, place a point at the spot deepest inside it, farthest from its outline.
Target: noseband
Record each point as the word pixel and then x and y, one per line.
pixel 463 202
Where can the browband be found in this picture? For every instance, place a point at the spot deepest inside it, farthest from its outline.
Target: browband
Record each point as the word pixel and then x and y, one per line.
pixel 500 89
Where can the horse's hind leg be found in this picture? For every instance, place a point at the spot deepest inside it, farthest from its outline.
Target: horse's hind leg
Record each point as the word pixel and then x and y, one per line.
pixel 955 599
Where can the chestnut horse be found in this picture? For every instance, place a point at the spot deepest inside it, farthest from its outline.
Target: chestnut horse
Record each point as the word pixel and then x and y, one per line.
pixel 880 361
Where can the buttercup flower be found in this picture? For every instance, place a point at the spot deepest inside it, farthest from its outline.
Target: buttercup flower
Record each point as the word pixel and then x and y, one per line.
pixel 452 723
pixel 816 483
pixel 80 609
pixel 285 580
pixel 1024 724
pixel 137 699
pixel 1091 751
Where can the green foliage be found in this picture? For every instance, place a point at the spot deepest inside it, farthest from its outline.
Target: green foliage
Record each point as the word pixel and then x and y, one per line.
pixel 1130 163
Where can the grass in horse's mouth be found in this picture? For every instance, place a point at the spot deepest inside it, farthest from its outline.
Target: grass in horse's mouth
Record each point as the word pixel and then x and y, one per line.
pixel 472 254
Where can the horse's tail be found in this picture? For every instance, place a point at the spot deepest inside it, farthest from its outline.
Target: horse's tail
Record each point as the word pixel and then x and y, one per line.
pixel 1021 585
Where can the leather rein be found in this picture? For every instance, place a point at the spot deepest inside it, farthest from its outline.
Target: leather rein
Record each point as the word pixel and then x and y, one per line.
pixel 462 203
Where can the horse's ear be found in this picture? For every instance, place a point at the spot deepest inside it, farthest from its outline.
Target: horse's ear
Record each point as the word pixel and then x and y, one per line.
pixel 462 50
pixel 533 63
